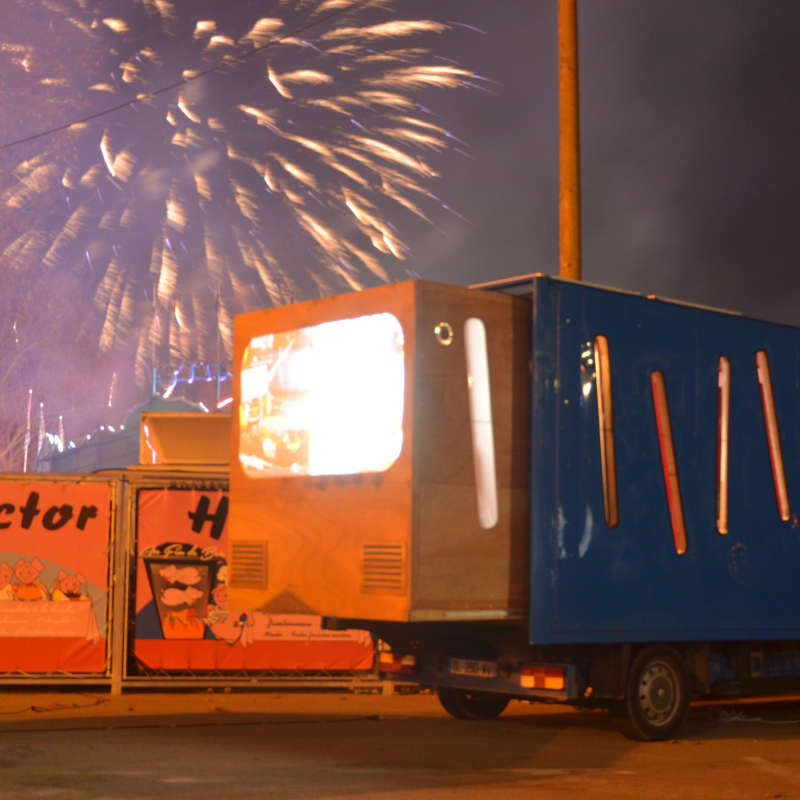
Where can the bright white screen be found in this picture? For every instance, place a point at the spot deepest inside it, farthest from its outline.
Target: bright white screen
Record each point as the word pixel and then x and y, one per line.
pixel 323 400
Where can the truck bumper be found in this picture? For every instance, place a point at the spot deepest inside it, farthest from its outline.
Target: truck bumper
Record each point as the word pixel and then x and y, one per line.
pixel 557 682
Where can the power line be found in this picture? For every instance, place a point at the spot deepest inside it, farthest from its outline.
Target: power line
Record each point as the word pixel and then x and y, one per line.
pixel 140 98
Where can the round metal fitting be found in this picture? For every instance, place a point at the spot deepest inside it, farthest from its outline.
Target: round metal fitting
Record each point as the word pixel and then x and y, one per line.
pixel 444 333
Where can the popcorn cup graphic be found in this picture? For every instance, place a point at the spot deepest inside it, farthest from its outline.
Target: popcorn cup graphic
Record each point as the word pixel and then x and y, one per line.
pixel 181 576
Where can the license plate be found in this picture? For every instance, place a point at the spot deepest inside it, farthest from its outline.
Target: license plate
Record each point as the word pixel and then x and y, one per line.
pixel 469 666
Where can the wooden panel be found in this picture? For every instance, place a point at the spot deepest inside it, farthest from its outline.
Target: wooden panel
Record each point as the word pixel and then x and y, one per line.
pixel 315 528
pixel 462 567
pixel 315 531
pixel 458 565
pixel 184 437
pixel 323 533
pixel 441 402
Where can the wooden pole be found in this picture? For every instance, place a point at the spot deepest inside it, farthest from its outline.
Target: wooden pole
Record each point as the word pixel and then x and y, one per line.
pixel 569 193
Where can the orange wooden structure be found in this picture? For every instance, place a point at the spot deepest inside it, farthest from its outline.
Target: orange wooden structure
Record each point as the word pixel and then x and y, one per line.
pixel 415 532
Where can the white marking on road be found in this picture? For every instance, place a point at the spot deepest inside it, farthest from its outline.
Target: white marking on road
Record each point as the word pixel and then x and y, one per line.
pixel 123 773
pixel 773 768
pixel 534 772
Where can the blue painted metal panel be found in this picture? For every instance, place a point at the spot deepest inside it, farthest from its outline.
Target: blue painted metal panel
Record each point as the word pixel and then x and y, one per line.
pixel 591 583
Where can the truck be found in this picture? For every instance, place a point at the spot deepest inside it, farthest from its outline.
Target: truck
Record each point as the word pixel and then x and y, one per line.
pixel 533 488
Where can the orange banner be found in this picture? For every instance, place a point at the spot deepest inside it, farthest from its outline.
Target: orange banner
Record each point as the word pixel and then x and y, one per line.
pixel 183 621
pixel 54 565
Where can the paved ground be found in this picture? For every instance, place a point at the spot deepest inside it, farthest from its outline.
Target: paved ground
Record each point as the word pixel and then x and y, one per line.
pixel 237 746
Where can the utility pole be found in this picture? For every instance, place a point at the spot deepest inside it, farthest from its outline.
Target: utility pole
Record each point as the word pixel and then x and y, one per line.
pixel 569 192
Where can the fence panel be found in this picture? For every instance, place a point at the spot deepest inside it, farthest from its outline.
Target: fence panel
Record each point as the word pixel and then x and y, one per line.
pixel 182 621
pixel 55 546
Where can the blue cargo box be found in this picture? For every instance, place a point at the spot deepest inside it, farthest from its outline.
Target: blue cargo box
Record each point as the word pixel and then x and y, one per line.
pixel 638 535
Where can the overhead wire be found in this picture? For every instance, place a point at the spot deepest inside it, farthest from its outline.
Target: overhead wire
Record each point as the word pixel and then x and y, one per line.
pixel 218 67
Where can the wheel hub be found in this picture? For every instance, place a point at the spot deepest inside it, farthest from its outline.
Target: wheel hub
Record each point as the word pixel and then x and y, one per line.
pixel 657 693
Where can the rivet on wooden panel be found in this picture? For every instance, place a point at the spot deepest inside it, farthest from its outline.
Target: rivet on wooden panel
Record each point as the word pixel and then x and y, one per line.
pixel 444 333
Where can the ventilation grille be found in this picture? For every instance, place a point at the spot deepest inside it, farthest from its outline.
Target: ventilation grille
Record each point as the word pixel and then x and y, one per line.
pixel 383 568
pixel 248 565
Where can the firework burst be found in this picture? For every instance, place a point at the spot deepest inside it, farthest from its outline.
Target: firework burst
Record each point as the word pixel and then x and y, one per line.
pixel 284 161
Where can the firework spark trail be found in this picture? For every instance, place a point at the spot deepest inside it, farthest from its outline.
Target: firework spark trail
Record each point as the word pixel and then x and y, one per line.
pixel 184 209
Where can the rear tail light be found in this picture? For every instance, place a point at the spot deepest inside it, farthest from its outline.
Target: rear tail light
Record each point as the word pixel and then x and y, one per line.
pixel 538 676
pixel 397 665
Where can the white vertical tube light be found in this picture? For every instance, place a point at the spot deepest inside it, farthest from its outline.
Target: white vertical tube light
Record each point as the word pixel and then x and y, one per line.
pixel 480 413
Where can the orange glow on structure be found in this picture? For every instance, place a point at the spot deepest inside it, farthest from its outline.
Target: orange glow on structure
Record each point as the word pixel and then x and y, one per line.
pixel 323 400
pixel 773 437
pixel 668 462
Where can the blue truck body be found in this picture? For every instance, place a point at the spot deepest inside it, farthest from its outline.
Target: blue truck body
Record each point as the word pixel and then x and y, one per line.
pixel 593 501
pixel 592 583
pixel 625 610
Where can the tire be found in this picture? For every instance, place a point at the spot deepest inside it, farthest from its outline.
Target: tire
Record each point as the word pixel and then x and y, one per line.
pixel 656 695
pixel 464 704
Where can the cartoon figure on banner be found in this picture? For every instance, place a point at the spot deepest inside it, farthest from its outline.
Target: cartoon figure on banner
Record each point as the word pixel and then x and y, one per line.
pixel 6 590
pixel 69 587
pixel 180 576
pixel 224 624
pixel 29 587
pixel 32 610
pixel 190 597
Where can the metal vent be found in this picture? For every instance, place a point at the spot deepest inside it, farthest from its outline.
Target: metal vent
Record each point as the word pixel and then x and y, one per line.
pixel 248 565
pixel 383 568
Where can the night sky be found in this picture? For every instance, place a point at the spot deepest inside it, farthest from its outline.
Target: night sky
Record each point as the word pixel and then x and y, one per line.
pixel 689 124
pixel 688 127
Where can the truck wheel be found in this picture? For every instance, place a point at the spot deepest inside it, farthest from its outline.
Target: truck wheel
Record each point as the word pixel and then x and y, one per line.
pixel 656 695
pixel 464 704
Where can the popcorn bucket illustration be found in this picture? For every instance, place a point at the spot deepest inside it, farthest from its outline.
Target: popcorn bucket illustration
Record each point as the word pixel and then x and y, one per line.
pixel 181 576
